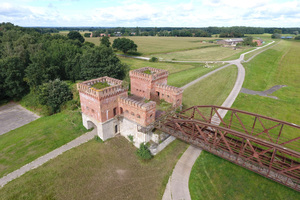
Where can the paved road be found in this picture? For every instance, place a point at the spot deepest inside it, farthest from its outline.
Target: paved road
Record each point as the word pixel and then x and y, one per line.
pixel 13 116
pixel 178 184
pixel 43 159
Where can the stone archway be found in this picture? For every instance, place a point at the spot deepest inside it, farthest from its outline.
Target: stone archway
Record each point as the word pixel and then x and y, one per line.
pixel 90 125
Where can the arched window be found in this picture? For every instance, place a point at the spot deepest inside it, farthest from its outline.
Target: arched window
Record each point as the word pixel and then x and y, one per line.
pixel 121 110
pixel 138 116
pixel 132 113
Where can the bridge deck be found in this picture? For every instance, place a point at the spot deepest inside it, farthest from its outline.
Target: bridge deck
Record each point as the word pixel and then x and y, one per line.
pixel 264 151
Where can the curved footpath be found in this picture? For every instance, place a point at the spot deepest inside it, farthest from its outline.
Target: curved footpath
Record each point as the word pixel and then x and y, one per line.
pixel 178 184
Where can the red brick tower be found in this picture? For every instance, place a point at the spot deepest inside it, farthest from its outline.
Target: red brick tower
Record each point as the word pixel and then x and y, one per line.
pixel 101 105
pixel 143 81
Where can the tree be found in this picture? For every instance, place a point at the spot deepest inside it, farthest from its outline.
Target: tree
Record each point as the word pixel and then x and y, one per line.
pixel 87 35
pixel 73 35
pixel 12 75
pixel 54 94
pixel 276 36
pixel 297 38
pixel 105 41
pixel 101 61
pixel 124 45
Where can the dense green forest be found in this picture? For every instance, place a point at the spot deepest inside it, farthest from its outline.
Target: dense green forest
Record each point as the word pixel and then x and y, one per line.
pixel 30 58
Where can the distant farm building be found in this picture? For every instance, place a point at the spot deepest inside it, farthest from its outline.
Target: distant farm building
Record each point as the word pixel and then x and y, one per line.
pixel 259 42
pixel 230 42
pixel 114 112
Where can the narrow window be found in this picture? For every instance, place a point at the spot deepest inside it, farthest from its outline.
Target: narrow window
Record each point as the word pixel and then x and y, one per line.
pixel 116 128
pixel 115 111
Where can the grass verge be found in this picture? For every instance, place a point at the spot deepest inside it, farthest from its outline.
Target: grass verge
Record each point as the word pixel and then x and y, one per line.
pixel 216 178
pixel 23 145
pixel 212 90
pixel 96 170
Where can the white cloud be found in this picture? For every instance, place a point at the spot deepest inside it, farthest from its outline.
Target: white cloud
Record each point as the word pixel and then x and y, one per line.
pixel 140 13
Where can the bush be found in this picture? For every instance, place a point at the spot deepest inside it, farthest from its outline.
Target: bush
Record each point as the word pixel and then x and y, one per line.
pixel 143 152
pixel 130 137
pixel 54 94
pixel 297 37
pixel 98 139
pixel 153 59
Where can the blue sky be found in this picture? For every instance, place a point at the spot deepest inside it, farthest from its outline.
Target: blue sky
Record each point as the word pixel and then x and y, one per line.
pixel 167 13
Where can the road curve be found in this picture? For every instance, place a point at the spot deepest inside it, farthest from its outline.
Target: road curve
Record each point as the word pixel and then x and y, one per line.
pixel 178 185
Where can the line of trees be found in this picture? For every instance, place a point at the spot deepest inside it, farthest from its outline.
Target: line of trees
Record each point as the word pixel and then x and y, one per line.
pixel 29 59
pixel 175 31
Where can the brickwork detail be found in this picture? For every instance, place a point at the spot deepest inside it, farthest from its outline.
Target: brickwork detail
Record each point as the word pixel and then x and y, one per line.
pixel 101 104
pixel 142 113
pixel 143 84
pixel 154 86
pixel 169 93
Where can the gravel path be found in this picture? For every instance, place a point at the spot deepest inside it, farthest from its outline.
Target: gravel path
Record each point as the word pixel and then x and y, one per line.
pixel 265 93
pixel 13 115
pixel 43 159
pixel 178 184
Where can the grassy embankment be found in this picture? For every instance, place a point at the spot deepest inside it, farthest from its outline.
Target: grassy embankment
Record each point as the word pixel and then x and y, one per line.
pixel 215 178
pixel 111 169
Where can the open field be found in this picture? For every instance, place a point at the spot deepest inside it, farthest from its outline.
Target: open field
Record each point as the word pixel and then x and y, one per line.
pixel 204 54
pixel 179 73
pixel 152 45
pixel 249 55
pixel 171 67
pixel 216 178
pixel 276 66
pixel 96 170
pixel 212 90
pixel 23 145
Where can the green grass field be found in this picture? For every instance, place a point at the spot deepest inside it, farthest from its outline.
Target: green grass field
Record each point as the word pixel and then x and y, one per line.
pixel 204 54
pixel 96 170
pixel 216 178
pixel 23 145
pixel 212 90
pixel 179 73
pixel 151 45
pixel 279 65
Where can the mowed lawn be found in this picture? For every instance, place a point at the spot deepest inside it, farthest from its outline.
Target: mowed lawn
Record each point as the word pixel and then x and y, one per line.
pixel 213 90
pixel 151 45
pixel 215 53
pixel 96 170
pixel 215 178
pixel 25 144
pixel 179 73
pixel 276 66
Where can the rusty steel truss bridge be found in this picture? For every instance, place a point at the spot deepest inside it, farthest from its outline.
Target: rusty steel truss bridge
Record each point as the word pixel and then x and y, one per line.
pixel 267 146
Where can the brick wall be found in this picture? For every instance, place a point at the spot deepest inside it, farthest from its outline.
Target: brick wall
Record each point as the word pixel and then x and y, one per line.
pixel 139 112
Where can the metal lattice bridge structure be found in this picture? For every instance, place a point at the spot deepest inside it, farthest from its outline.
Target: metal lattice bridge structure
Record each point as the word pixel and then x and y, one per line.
pixel 267 146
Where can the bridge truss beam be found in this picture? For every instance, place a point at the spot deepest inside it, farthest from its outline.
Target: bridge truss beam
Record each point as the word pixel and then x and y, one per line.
pixel 265 150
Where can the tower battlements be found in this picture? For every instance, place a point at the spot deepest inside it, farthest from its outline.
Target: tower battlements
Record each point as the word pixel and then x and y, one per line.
pixel 115 87
pixel 137 104
pixel 169 88
pixel 152 73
